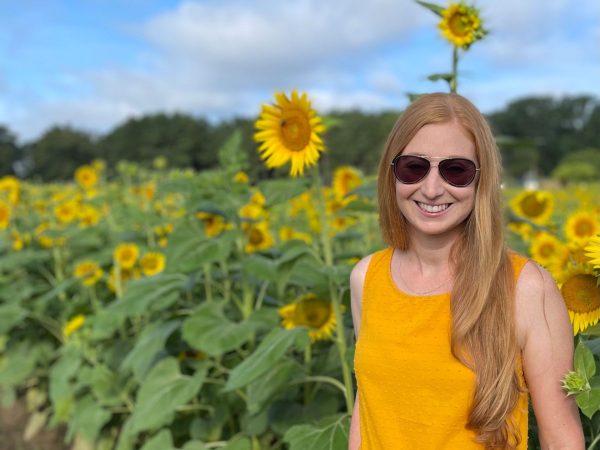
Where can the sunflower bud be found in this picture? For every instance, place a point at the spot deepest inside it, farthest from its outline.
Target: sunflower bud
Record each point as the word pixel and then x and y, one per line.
pixel 574 383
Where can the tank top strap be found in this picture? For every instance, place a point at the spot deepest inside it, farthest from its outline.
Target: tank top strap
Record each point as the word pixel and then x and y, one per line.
pixel 518 261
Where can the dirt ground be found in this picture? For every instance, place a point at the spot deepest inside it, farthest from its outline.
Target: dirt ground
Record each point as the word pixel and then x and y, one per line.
pixel 13 421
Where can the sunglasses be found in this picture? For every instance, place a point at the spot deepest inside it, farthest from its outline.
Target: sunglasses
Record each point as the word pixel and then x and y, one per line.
pixel 410 169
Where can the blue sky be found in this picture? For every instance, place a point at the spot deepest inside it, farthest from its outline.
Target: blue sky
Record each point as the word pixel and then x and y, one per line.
pixel 92 64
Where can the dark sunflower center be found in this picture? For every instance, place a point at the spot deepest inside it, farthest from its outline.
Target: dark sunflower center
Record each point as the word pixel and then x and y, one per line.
pixel 584 228
pixel 581 293
pixel 255 236
pixel 126 255
pixel 459 24
pixel 295 129
pixel 313 312
pixel 532 207
pixel 151 263
pixel 547 250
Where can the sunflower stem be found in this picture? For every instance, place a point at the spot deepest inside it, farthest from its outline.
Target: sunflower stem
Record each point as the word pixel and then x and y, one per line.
pixel 321 379
pixel 59 274
pixel 454 80
pixel 118 281
pixel 335 298
pixel 207 283
pixel 307 359
pixel 94 298
pixel 594 442
pixel 226 281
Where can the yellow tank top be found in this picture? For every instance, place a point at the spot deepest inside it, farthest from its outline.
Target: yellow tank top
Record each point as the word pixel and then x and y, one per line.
pixel 413 393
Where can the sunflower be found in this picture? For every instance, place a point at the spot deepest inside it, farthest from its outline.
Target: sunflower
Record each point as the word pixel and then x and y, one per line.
pixel 126 275
pixel 546 248
pixel 86 176
pixel 310 311
pixel 98 165
pixel 162 232
pixel 88 216
pixel 18 242
pixel 241 177
pixel 581 226
pixel 10 189
pixel 287 234
pixel 88 271
pixel 345 180
pixel 536 206
pixel 47 236
pixel 593 251
pixel 258 237
pixel 126 255
pixel 66 212
pixel 289 130
pixel 73 325
pixel 145 191
pixel 214 224
pixel 258 198
pixel 582 296
pixel 5 215
pixel 461 25
pixel 152 263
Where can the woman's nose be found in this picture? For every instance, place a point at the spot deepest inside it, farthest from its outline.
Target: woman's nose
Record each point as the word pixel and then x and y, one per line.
pixel 433 184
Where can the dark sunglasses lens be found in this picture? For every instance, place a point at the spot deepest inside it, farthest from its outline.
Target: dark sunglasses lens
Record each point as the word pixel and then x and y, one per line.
pixel 411 169
pixel 458 171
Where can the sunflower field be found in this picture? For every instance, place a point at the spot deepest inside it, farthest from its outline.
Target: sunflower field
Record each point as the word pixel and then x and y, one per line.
pixel 168 309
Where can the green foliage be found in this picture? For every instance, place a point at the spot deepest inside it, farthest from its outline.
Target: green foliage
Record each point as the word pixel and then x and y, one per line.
pixel 556 126
pixel 57 154
pixel 266 356
pixel 579 166
pixel 9 151
pixel 330 433
pixel 161 393
pixel 183 140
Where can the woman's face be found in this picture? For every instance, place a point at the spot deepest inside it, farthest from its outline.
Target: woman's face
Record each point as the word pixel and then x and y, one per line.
pixel 432 207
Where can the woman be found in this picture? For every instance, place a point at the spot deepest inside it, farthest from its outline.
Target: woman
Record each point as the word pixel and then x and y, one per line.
pixel 453 329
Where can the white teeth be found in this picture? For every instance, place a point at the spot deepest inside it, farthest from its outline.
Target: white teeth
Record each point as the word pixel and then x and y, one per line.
pixel 433 208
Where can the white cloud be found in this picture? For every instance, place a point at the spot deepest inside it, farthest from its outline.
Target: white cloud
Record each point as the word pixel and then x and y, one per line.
pixel 242 40
pixel 218 59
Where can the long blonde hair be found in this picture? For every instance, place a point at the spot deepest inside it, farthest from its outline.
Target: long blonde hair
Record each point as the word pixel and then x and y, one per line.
pixel 483 329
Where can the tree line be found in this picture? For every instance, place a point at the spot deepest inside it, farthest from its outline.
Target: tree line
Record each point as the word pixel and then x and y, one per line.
pixel 557 137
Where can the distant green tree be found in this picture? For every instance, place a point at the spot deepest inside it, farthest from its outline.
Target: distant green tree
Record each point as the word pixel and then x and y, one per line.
pixel 358 139
pixel 556 126
pixel 519 156
pixel 182 139
pixel 579 166
pixel 57 153
pixel 9 151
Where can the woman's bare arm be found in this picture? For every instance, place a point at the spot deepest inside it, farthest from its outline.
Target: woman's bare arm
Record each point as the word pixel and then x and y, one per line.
pixel 547 357
pixel 357 282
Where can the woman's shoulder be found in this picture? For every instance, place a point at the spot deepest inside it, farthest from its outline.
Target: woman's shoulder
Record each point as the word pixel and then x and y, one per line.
pixel 536 295
pixel 360 269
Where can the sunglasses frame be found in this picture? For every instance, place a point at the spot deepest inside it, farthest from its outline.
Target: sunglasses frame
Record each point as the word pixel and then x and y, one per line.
pixel 440 159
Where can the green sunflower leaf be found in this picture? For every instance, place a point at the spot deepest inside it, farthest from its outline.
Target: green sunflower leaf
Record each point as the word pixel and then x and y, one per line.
pixel 584 361
pixel 265 357
pixel 262 389
pixel 441 76
pixel 10 315
pixel 163 390
pixel 432 7
pixel 88 418
pixel 149 343
pixel 210 331
pixel 589 402
pixel 162 441
pixel 330 433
